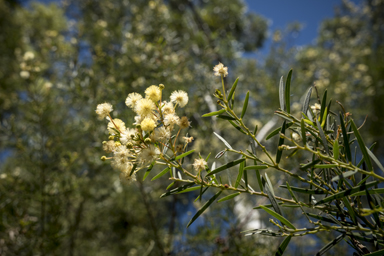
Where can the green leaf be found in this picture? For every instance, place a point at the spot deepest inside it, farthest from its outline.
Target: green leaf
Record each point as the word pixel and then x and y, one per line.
pixel 279 153
pixel 323 104
pixel 232 90
pixel 161 173
pixel 279 217
pixel 170 185
pixel 283 246
pixel 276 131
pixel 204 207
pixel 351 211
pixel 240 175
pixel 271 194
pixel 305 190
pixel 225 117
pixel 288 92
pixel 322 136
pixel 306 100
pixel 375 159
pixel 228 197
pixel 344 175
pixel 372 191
pixel 363 148
pixel 377 253
pixel 237 127
pixel 324 165
pixel 256 167
pixel 189 190
pixel 345 138
pixel 310 165
pixel 282 94
pixel 245 105
pixel 328 246
pixel 348 192
pixel 226 166
pixel 184 154
pixel 178 189
pixel 303 135
pixel 148 171
pixel 268 205
pixel 273 133
pixel 336 149
pixel 215 113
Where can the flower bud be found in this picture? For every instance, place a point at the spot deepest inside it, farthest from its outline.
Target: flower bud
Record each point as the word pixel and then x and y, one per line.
pixel 103 158
pixel 161 86
pixel 147 140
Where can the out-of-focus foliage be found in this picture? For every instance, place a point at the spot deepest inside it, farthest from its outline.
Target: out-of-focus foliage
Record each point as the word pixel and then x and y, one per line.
pixel 57 62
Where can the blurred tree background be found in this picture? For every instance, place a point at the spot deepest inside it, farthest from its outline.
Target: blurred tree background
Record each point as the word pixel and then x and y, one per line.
pixel 58 61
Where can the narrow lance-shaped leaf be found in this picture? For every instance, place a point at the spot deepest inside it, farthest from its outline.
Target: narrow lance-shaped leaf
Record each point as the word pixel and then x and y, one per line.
pixel 223 140
pixel 306 100
pixel 161 173
pixel 226 166
pixel 276 131
pixel 322 136
pixel 245 105
pixel 148 171
pixel 363 148
pixel 237 127
pixel 344 175
pixel 215 113
pixel 279 153
pixel 279 217
pixel 268 189
pixel 328 246
pixel 347 192
pixel 282 94
pixel 336 149
pixel 288 92
pixel 184 154
pixel 375 159
pixel 323 104
pixel 228 197
pixel 303 135
pixel 204 207
pixel 283 246
pixel 240 174
pixel 232 90
pixel 347 149
pixel 256 167
pixel 178 189
pixel 305 190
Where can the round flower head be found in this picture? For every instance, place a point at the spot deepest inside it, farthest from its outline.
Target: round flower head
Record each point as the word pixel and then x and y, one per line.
pixel 120 126
pixel 148 124
pixel 179 97
pixel 167 108
pixel 120 163
pixel 161 134
pixel 126 177
pixel 126 137
pixel 109 146
pixel 144 107
pixel 103 110
pixel 184 123
pixel 149 154
pixel 220 70
pixel 199 164
pixel 132 99
pixel 153 92
pixel 171 119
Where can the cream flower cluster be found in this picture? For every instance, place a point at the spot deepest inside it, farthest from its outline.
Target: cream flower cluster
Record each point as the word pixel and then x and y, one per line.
pixel 150 136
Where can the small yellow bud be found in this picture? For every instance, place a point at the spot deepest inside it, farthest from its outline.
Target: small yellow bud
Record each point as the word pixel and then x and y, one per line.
pixel 147 140
pixel 117 143
pixel 138 126
pixel 129 145
pixel 103 158
pixel 111 137
pixel 161 86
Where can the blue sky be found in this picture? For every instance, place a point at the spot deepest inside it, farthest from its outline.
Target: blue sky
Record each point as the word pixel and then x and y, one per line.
pixel 309 13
